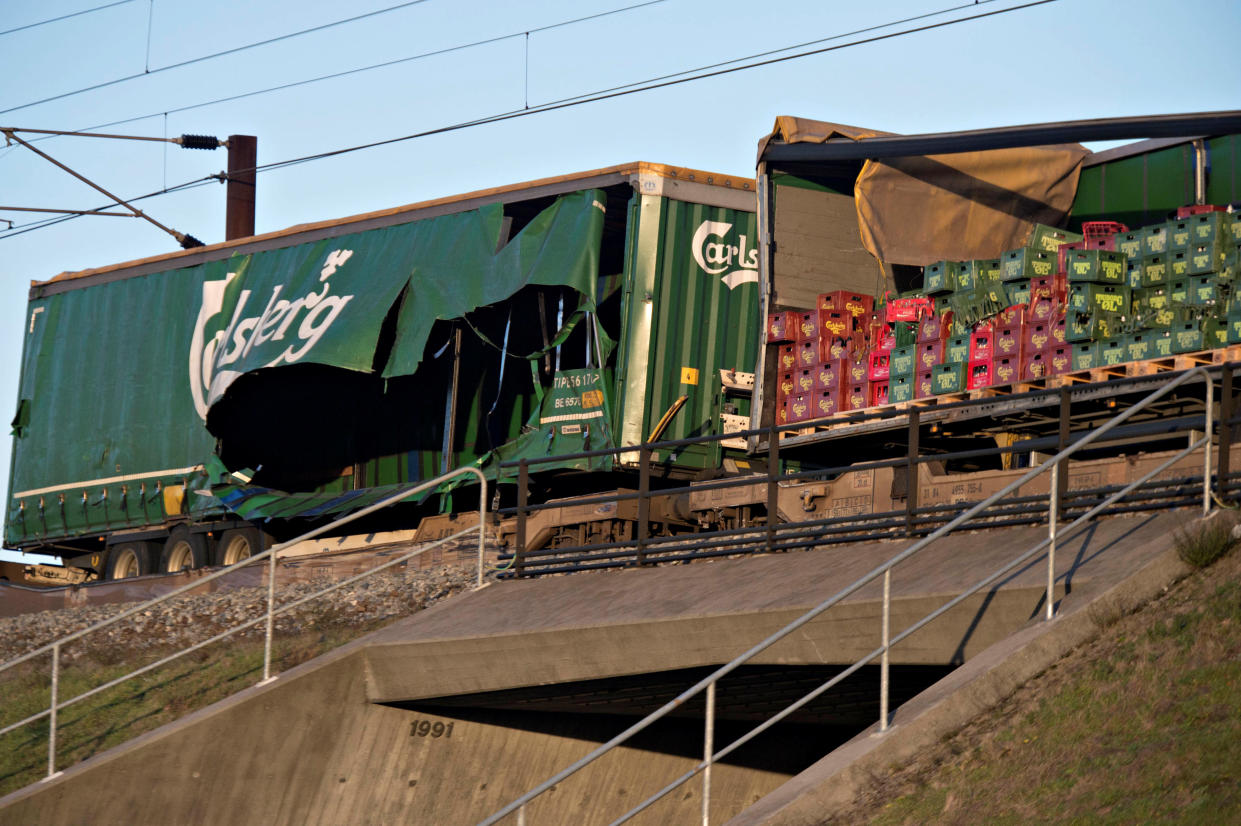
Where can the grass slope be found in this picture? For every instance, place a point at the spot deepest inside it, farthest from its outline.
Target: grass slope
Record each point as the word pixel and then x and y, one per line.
pixel 1141 726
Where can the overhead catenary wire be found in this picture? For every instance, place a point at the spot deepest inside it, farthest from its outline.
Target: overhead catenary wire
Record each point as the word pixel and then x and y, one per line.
pixel 579 100
pixel 213 55
pixel 63 17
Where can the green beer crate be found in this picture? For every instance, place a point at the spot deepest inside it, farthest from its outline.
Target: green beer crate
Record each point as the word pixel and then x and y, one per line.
pixel 1111 351
pixel 1085 355
pixel 1186 337
pixel 1139 346
pixel 987 271
pixel 1214 332
pixel 901 362
pixel 900 388
pixel 1178 292
pixel 1133 273
pixel 1086 297
pixel 1026 263
pixel 1129 243
pixel 1044 237
pixel 940 278
pixel 1236 227
pixel 1179 233
pixel 1211 228
pixel 948 378
pixel 1178 264
pixel 1091 326
pixel 957 350
pixel 1150 298
pixel 1233 322
pixel 1206 258
pixel 1162 319
pixel 1096 266
pixel 1204 289
pixel 1154 270
pixel 1161 343
pixel 1018 291
pixel 1155 239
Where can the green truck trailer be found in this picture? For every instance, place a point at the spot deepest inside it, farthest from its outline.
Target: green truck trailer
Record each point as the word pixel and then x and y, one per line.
pixel 173 410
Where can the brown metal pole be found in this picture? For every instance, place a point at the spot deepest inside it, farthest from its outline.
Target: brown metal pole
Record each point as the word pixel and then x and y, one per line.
pixel 773 485
pixel 1225 427
pixel 911 472
pixel 239 212
pixel 523 499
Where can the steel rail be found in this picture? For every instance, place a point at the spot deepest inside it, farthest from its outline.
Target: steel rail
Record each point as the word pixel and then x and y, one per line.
pixel 519 803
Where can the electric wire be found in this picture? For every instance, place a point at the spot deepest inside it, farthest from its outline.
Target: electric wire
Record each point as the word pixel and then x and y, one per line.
pixel 214 55
pixel 64 17
pixel 383 65
pixel 564 103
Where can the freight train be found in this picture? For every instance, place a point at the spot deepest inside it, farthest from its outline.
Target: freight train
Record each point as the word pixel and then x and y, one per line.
pixel 281 380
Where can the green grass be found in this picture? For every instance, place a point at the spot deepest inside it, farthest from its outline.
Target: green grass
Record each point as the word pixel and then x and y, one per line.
pixel 121 713
pixel 1141 726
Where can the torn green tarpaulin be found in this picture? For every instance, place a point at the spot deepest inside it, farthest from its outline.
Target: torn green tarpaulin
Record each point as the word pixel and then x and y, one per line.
pixel 22 420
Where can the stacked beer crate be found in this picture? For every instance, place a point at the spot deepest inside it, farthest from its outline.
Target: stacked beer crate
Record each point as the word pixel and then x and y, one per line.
pixel 1062 302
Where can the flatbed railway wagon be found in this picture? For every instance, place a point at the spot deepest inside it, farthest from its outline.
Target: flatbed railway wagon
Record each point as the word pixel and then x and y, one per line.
pixel 174 411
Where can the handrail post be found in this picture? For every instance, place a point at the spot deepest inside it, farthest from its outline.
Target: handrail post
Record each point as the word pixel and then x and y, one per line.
pixel 773 485
pixel 911 472
pixel 482 528
pixel 708 751
pixel 1062 487
pixel 271 616
pixel 644 503
pixel 1224 425
pixel 883 659
pixel 51 731
pixel 1206 447
pixel 1053 516
pixel 523 499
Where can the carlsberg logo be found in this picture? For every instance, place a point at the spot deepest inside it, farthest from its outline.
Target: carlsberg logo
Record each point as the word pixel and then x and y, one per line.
pixel 301 321
pixel 715 255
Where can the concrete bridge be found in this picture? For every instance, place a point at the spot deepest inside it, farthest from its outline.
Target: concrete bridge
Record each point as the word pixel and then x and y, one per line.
pixel 448 715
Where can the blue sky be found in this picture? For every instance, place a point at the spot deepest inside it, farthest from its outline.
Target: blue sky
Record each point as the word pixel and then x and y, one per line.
pixel 1062 60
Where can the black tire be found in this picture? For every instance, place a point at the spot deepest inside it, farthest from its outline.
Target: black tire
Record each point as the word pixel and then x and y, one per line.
pixel 183 550
pixel 238 544
pixel 129 559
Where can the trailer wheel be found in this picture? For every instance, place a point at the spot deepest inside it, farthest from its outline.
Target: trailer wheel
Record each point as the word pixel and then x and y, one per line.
pixel 183 550
pixel 237 544
pixel 128 559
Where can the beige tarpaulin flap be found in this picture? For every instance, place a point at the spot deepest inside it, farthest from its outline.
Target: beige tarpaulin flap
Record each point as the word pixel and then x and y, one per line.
pixel 921 209
pixel 970 205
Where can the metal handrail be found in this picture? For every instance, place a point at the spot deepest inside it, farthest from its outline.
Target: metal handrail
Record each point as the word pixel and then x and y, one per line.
pixel 270 554
pixel 884 570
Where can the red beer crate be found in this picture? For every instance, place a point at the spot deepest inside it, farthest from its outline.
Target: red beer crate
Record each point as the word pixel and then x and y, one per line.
pixel 804 382
pixel 1006 369
pixel 930 328
pixel 782 412
pixel 1035 366
pixel 1037 338
pixel 781 327
pixel 979 373
pixel 1011 316
pixel 788 356
pixel 856 396
pixel 785 385
pixel 877 369
pixel 1061 359
pixel 982 343
pixel 1042 310
pixel 843 301
pixel 878 393
pixel 835 323
pixel 924 387
pixel 807 353
pixel 826 402
pixel 1008 341
pixel 829 375
pixel 857 370
pixel 798 407
pixel 833 347
pixel 1059 329
pixel 808 326
pixel 930 353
